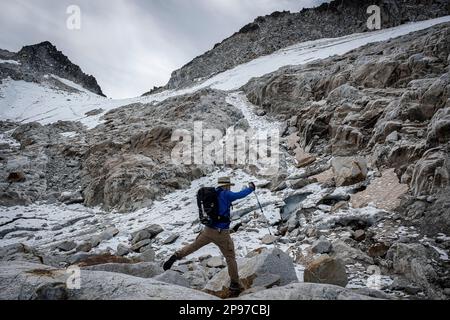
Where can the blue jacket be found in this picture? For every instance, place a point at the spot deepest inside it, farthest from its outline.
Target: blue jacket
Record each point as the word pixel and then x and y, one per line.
pixel 226 199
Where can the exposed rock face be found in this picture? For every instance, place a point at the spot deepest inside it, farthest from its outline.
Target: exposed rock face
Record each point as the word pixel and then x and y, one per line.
pixel 25 281
pixel 140 270
pixel 281 29
pixel 254 272
pixel 387 102
pixel 123 164
pixel 411 261
pixel 39 60
pixel 306 291
pixel 131 166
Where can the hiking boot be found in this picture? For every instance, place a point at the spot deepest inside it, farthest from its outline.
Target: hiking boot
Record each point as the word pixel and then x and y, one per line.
pixel 235 290
pixel 169 263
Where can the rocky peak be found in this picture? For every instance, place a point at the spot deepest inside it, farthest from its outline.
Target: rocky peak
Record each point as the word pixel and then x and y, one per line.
pixel 270 33
pixel 45 58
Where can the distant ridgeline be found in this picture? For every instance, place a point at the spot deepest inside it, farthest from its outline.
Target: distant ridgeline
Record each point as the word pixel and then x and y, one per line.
pixel 34 63
pixel 281 29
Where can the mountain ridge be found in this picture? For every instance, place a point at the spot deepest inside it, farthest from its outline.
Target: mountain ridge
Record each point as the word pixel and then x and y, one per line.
pixel 35 62
pixel 267 34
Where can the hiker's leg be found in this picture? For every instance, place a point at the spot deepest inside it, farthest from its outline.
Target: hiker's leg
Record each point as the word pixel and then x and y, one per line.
pixel 226 246
pixel 202 240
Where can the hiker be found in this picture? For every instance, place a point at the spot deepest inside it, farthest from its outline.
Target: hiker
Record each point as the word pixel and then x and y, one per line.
pixel 219 232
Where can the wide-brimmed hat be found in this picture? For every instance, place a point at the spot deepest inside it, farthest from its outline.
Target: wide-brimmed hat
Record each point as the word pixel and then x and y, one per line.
pixel 225 181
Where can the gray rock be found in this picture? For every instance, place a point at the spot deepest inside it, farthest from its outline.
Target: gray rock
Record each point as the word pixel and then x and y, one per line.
pixel 326 270
pixel 19 252
pixel 141 270
pixel 140 236
pixel 137 246
pixel 411 261
pixel 306 291
pixel 215 262
pixel 148 255
pixel 122 250
pixel 66 246
pixel 171 238
pixel 272 261
pixel 348 254
pixel 173 277
pixel 321 246
pixel 146 233
pixel 84 247
pixel 359 235
pixel 21 281
pixel 108 234
pixel 258 39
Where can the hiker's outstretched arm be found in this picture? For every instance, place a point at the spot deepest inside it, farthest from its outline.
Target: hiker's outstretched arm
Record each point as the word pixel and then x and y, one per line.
pixel 233 196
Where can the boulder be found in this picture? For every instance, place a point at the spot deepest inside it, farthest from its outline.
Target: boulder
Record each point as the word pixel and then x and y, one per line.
pixel 173 277
pixel 256 270
pixel 321 246
pixel 141 270
pixel 141 244
pixel 411 261
pixel 122 250
pixel 348 254
pixel 305 291
pixel 170 238
pixel 326 270
pixel 25 281
pixel 146 233
pixel 215 262
pixel 349 170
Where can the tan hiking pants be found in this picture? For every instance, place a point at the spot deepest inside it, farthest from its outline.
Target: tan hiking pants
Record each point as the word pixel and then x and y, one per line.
pixel 221 239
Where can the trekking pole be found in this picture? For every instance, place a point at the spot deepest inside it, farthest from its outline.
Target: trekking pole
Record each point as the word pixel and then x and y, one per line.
pixel 262 211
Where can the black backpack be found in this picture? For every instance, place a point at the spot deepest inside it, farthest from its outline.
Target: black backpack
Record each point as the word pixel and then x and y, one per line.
pixel 208 206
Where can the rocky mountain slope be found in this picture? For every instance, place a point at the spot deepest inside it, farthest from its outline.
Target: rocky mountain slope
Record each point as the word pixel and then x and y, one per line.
pixel 36 63
pixel 279 30
pixel 358 209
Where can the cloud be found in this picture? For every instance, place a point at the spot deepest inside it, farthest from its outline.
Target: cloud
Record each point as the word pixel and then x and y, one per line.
pixel 132 45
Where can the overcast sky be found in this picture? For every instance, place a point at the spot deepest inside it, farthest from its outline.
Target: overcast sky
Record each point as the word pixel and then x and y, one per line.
pixel 132 45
